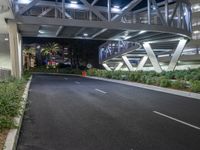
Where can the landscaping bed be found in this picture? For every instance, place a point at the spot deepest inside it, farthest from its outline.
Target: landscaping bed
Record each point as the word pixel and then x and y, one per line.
pixel 11 92
pixel 56 70
pixel 187 80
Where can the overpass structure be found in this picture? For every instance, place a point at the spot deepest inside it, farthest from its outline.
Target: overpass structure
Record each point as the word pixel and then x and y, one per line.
pixel 135 32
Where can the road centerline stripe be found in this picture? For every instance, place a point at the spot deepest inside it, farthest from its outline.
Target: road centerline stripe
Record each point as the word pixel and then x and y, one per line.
pixel 100 91
pixel 177 120
pixel 77 82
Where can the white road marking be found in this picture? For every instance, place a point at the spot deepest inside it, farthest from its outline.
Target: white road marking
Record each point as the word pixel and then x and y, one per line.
pixel 177 120
pixel 101 91
pixel 66 78
pixel 77 82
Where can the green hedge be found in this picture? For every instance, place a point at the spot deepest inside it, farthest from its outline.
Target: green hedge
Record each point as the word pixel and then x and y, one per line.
pixel 181 79
pixel 11 91
pixel 55 70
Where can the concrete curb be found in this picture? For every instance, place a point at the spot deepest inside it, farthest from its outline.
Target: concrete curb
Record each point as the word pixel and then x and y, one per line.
pixel 152 87
pixel 13 134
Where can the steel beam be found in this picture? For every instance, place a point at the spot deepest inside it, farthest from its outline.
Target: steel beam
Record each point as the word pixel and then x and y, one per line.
pixel 95 11
pixel 119 66
pixel 126 9
pixel 59 30
pixel 128 64
pixel 65 13
pixel 177 54
pixel 142 62
pixel 109 9
pixel 152 57
pixel 27 7
pixel 45 12
pixel 106 67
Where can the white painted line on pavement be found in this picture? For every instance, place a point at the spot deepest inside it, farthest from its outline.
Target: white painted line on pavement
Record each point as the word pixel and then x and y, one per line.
pixel 77 82
pixel 101 91
pixel 177 120
pixel 66 78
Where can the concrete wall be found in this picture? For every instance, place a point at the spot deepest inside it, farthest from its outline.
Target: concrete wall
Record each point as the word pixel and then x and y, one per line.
pixel 4 53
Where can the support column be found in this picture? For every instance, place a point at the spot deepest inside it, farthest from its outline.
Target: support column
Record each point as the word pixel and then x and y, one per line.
pixel 142 62
pixel 177 54
pixel 106 67
pixel 119 66
pixel 128 64
pixel 149 11
pixel 15 50
pixel 152 57
pixel 109 9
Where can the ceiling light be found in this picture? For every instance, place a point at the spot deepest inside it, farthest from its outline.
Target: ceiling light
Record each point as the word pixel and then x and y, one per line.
pixel 141 32
pixel 115 8
pixel 73 2
pixel 196 7
pixel 196 32
pixel 24 1
pixel 6 39
pixel 42 32
pixel 85 34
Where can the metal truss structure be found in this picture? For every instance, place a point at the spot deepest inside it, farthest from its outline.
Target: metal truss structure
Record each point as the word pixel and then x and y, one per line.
pixel 128 27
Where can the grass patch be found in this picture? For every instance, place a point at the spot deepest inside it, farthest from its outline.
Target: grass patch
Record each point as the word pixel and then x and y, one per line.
pixel 11 92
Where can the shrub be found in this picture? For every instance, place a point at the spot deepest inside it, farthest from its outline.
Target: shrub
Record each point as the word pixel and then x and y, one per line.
pixel 195 86
pixel 165 83
pixel 179 84
pixel 10 99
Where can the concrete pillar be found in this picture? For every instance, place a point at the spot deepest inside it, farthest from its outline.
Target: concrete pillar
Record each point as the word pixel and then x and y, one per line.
pixel 152 57
pixel 106 67
pixel 142 62
pixel 177 53
pixel 15 50
pixel 119 66
pixel 128 64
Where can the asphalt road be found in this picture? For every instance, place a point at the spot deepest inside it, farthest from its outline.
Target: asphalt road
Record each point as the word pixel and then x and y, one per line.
pixel 74 113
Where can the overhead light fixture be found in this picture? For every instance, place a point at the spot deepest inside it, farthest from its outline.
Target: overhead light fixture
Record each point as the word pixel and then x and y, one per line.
pixel 41 32
pixel 141 32
pixel 6 39
pixel 73 2
pixel 24 1
pixel 116 8
pixel 85 34
pixel 196 32
pixel 196 7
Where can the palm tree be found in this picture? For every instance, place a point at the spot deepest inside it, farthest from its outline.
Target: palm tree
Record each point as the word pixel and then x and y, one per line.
pixel 50 50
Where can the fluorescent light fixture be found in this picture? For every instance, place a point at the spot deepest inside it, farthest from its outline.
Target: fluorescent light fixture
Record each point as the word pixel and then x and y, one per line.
pixel 196 32
pixel 116 8
pixel 24 1
pixel 73 2
pixel 141 32
pixel 85 34
pixel 6 39
pixel 196 6
pixel 41 32
pixel 126 37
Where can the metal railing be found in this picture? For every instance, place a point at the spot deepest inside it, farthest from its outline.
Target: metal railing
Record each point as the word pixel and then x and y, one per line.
pixel 112 49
